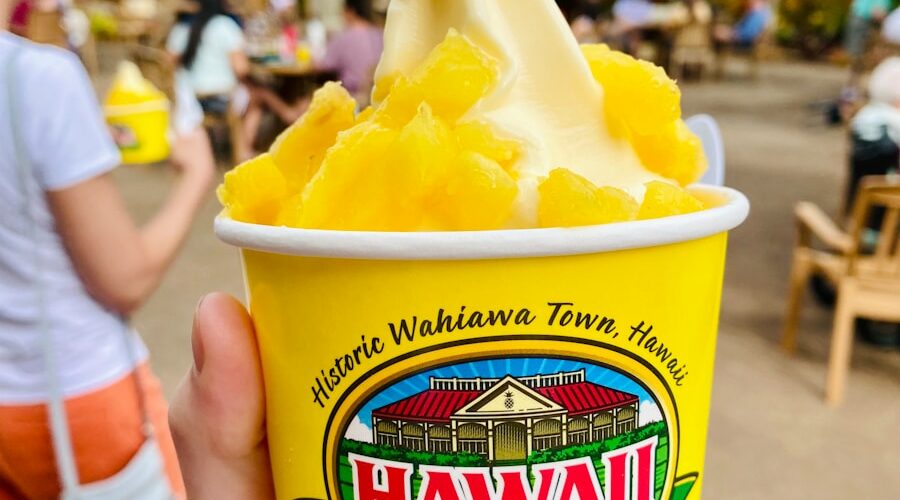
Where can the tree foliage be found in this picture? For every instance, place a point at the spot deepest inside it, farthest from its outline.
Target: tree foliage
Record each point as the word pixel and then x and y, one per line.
pixel 411 457
pixel 599 448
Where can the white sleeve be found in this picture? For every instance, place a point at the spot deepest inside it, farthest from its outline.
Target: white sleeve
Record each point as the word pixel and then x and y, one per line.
pixel 65 133
pixel 178 39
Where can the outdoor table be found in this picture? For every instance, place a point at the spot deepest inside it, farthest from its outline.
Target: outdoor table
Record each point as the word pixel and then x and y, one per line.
pixel 292 81
pixel 660 36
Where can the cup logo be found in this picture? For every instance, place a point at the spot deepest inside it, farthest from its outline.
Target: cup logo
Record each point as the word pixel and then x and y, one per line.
pixel 508 428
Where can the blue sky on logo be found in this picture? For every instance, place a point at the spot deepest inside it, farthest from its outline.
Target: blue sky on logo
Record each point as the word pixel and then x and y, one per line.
pixel 499 368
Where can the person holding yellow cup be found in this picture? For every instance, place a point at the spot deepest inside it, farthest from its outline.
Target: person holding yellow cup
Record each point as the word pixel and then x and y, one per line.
pixel 484 285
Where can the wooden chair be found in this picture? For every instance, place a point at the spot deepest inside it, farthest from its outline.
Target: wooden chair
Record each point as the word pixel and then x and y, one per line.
pixel 90 56
pixel 156 67
pixel 692 46
pixel 231 122
pixel 867 280
pixel 753 54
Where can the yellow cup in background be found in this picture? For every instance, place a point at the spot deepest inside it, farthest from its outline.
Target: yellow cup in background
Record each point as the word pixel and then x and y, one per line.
pixel 140 130
pixel 542 363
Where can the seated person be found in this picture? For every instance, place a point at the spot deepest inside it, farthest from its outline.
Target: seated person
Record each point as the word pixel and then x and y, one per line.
pixel 208 45
pixel 629 16
pixel 747 31
pixel 632 13
pixel 692 41
pixel 876 128
pixel 353 54
pixel 690 13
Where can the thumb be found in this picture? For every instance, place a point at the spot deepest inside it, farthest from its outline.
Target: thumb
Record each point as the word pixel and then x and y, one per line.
pixel 218 415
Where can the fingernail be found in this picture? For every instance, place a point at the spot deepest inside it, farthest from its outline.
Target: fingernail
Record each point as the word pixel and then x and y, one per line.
pixel 197 341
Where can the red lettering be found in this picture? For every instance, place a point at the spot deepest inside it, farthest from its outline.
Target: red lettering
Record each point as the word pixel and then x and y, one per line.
pixel 630 475
pixel 375 479
pixel 438 484
pixel 631 471
pixel 580 481
pixel 476 482
pixel 512 483
pixel 616 475
pixel 646 458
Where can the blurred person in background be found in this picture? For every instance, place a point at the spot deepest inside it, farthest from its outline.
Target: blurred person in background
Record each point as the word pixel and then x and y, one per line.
pixel 353 54
pixel 692 45
pixel 629 16
pixel 585 20
pixel 209 46
pixel 694 11
pixel 876 128
pixel 633 12
pixel 890 30
pixel 875 150
pixel 73 265
pixel 750 27
pixel 865 16
pixel 355 51
pixel 286 13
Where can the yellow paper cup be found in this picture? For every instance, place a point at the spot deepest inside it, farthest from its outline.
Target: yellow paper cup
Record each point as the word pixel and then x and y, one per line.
pixel 140 130
pixel 532 364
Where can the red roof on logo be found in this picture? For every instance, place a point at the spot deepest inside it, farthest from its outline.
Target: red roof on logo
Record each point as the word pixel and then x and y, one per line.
pixel 431 406
pixel 585 397
pixel 436 406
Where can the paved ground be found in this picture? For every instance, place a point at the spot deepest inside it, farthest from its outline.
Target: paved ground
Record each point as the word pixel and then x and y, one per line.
pixel 770 437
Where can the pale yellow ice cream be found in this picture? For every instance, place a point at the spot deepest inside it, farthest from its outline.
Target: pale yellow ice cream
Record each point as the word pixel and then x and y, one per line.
pixel 486 115
pixel 547 97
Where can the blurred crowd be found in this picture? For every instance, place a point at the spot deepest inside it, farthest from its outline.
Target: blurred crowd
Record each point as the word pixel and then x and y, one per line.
pixel 236 55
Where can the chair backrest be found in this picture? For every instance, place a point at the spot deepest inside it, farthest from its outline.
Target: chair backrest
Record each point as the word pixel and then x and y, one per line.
pixel 156 67
pixel 878 201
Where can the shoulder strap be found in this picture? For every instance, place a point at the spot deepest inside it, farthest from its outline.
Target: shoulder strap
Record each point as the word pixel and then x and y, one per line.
pixel 59 425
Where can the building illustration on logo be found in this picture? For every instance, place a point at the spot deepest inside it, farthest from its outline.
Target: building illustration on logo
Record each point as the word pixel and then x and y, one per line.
pixel 505 419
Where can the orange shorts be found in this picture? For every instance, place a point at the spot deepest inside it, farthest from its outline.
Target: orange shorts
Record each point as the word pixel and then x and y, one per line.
pixel 106 433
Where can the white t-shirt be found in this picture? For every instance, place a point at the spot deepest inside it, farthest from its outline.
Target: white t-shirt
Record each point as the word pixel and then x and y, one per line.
pixel 872 120
pixel 211 73
pixel 66 140
pixel 891 28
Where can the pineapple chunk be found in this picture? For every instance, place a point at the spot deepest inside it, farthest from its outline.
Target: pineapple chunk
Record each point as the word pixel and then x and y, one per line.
pixel 348 192
pixel 638 92
pixel 254 191
pixel 568 200
pixel 299 150
pixel 480 138
pixel 663 200
pixel 478 196
pixel 674 152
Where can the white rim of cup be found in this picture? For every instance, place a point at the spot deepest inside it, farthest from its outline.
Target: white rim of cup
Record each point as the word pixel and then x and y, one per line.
pixel 484 245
